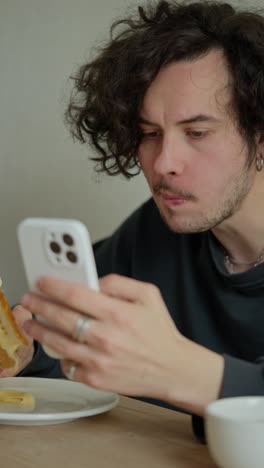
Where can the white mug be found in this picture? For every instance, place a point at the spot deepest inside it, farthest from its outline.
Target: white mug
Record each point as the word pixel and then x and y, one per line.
pixel 235 432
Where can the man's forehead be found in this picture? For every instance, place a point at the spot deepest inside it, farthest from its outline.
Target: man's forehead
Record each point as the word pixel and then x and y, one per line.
pixel 212 66
pixel 195 87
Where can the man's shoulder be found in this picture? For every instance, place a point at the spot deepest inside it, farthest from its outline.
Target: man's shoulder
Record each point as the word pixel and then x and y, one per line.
pixel 146 213
pixel 144 225
pixel 115 253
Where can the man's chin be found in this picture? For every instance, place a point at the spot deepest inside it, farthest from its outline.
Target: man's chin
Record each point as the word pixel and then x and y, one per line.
pixel 182 224
pixel 175 224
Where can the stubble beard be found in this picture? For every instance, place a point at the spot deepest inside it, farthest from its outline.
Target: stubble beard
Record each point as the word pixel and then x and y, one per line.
pixel 232 202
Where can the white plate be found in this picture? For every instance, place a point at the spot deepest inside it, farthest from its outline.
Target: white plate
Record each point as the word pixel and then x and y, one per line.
pixel 57 401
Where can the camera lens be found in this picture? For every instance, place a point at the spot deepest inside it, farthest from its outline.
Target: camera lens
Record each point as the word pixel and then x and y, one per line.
pixel 55 247
pixel 68 240
pixel 72 257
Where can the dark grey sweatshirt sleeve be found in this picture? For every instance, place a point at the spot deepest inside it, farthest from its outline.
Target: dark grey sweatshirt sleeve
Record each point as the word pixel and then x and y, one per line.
pixel 242 378
pixel 42 366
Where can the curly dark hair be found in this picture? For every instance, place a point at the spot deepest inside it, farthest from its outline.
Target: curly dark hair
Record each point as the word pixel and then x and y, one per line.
pixel 108 93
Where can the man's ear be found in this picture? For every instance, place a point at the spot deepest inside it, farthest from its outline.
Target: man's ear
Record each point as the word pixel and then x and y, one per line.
pixel 261 137
pixel 260 143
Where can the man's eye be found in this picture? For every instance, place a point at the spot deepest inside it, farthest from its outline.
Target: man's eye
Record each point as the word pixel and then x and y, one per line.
pixel 197 134
pixel 150 135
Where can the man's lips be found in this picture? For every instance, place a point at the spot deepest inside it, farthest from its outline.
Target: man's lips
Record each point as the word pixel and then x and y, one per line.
pixel 172 199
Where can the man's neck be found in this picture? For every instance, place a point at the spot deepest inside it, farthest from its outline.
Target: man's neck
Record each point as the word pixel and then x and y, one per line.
pixel 242 235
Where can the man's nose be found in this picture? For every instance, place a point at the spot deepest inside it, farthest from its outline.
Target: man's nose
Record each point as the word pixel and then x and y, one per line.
pixel 171 158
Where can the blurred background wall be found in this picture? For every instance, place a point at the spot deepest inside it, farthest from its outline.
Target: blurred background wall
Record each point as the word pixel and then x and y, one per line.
pixel 43 172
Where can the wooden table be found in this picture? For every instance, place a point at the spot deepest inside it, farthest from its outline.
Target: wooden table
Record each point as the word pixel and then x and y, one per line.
pixel 132 435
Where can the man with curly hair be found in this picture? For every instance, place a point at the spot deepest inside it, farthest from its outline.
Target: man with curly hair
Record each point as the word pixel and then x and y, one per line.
pixel 178 93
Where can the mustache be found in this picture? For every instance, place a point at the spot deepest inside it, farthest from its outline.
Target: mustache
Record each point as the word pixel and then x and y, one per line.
pixel 162 185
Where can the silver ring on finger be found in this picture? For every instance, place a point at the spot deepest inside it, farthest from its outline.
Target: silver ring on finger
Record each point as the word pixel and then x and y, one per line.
pixel 71 371
pixel 82 325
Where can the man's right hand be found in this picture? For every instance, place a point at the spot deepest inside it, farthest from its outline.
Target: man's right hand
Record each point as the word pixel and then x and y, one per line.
pixel 25 353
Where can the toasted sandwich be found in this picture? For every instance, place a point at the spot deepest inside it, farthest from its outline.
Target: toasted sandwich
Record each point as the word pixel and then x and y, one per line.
pixel 11 338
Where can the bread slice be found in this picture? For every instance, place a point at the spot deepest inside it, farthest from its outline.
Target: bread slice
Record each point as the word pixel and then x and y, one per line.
pixel 17 398
pixel 11 338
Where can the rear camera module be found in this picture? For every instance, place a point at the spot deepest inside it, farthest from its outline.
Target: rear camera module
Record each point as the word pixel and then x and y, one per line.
pixel 72 257
pixel 55 247
pixel 68 240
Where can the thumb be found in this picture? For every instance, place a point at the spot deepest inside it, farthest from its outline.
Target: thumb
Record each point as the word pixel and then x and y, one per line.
pixel 21 315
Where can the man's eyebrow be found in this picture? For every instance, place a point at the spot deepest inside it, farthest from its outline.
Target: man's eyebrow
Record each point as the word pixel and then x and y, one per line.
pixel 142 120
pixel 190 120
pixel 199 118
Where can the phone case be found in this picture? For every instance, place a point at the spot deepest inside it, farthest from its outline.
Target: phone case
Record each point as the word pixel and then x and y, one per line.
pixel 56 247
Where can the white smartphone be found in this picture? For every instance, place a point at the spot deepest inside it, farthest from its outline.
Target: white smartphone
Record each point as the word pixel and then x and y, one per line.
pixel 56 247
